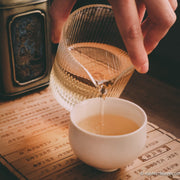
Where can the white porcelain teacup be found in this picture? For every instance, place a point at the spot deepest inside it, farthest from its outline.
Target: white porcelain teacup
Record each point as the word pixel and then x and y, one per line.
pixel 104 152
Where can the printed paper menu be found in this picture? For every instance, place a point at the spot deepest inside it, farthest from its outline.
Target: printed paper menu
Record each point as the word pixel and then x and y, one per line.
pixel 34 145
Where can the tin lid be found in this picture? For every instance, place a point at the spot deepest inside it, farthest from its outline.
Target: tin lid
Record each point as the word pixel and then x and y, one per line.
pixel 14 3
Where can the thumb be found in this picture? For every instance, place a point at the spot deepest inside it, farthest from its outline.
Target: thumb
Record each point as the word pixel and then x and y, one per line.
pixel 59 12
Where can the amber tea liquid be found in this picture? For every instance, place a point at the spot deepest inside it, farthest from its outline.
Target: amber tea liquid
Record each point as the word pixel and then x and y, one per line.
pixel 88 67
pixel 112 125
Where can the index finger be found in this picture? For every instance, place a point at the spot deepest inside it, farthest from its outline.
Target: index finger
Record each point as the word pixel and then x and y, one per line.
pixel 59 12
pixel 128 23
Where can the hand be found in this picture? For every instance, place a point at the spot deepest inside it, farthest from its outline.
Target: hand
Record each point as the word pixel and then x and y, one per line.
pixel 140 35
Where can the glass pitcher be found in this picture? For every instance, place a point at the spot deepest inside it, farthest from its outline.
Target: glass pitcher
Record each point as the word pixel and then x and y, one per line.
pixel 91 59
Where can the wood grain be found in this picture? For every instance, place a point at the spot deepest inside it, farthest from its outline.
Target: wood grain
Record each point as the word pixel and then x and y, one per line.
pixel 34 136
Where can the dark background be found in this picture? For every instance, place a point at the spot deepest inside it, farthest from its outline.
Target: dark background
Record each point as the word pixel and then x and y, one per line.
pixel 165 59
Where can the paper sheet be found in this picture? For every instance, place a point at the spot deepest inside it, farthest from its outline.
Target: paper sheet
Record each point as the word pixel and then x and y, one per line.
pixel 34 145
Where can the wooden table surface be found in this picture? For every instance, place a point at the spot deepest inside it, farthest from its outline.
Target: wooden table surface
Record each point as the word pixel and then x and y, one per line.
pixel 160 101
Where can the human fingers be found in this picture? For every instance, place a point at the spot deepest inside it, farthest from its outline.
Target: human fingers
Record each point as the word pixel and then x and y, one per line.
pixel 173 4
pixel 141 8
pixel 127 19
pixel 161 17
pixel 59 12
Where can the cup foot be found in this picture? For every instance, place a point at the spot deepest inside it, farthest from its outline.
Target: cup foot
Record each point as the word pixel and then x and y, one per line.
pixel 107 170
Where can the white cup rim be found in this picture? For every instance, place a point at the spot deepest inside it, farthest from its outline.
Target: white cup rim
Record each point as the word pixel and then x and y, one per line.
pixel 109 136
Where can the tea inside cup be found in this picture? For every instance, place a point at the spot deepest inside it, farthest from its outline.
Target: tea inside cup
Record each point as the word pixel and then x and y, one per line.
pixel 107 151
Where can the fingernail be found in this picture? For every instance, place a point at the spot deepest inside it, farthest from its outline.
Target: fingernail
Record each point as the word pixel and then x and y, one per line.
pixel 144 68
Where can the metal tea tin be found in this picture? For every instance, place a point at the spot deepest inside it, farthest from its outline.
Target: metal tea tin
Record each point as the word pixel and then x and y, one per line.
pixel 25 52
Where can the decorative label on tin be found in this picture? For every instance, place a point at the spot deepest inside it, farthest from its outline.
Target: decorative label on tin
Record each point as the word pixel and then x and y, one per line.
pixel 27 39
